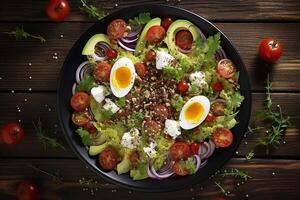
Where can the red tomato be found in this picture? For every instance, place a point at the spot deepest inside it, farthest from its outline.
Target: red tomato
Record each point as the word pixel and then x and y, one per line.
pixel 12 133
pixel 151 56
pixel 222 137
pixel 101 72
pixel 218 198
pixel 141 69
pixel 184 40
pixel 210 118
pixel 134 159
pixel 218 108
pixel 178 169
pixel 195 148
pixel 226 68
pixel 108 158
pixel 116 29
pixel 111 54
pixel 270 50
pixel 57 10
pixel 218 86
pixel 90 127
pixel 27 191
pixel 80 118
pixel 155 34
pixel 80 101
pixel 152 127
pixel 166 22
pixel 180 150
pixel 182 87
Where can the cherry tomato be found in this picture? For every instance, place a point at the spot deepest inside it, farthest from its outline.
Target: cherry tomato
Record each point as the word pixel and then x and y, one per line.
pixel 166 22
pixel 80 118
pixel 90 127
pixel 116 29
pixel 101 72
pixel 218 86
pixel 178 169
pixel 161 111
pixel 222 137
pixel 27 191
pixel 182 87
pixel 152 127
pixel 218 108
pixel 155 34
pixel 180 150
pixel 195 148
pixel 80 101
pixel 141 69
pixel 270 50
pixel 184 40
pixel 226 68
pixel 151 56
pixel 57 10
pixel 111 54
pixel 218 198
pixel 108 158
pixel 12 133
pixel 134 159
pixel 210 118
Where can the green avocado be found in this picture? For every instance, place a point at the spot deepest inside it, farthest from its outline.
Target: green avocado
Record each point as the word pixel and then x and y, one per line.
pixel 125 165
pixel 141 43
pixel 89 47
pixel 95 150
pixel 176 26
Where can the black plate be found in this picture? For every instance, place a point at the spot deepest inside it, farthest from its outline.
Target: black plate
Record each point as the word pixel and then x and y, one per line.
pixel 67 78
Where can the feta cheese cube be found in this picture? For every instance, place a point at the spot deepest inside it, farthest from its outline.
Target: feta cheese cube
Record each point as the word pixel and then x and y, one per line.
pixel 198 78
pixel 150 150
pixel 131 139
pixel 163 59
pixel 109 105
pixel 99 93
pixel 172 128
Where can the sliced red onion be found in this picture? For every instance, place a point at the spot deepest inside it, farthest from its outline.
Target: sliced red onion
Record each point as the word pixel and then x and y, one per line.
pixel 166 166
pixel 134 32
pixel 223 53
pixel 204 150
pixel 73 88
pixel 100 49
pixel 164 172
pixel 129 40
pixel 83 69
pixel 216 96
pixel 212 147
pixel 218 101
pixel 220 54
pixel 197 161
pixel 127 47
pixel 203 164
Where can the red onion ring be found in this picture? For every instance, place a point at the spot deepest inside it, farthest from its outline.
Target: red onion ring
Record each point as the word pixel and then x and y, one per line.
pixel 218 100
pixel 164 175
pixel 197 161
pixel 164 172
pixel 212 147
pixel 203 150
pixel 126 47
pixel 83 68
pixel 129 40
pixel 216 96
pixel 73 88
pixel 135 32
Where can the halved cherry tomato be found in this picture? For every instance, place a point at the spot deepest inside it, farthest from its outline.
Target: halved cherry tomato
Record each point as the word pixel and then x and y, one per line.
pixel 108 158
pixel 141 69
pixel 166 22
pixel 90 127
pixel 218 108
pixel 182 87
pixel 152 127
pixel 178 169
pixel 155 34
pixel 161 111
pixel 180 150
pixel 226 68
pixel 270 50
pixel 12 133
pixel 210 118
pixel 151 56
pixel 218 86
pixel 80 118
pixel 101 72
pixel 57 10
pixel 111 54
pixel 80 101
pixel 184 39
pixel 195 148
pixel 27 191
pixel 116 29
pixel 222 137
pixel 134 159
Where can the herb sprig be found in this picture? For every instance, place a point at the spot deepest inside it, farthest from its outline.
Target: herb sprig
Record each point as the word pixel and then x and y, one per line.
pixel 55 177
pixel 236 173
pixel 250 155
pixel 218 184
pixel 20 34
pixel 92 11
pixel 141 19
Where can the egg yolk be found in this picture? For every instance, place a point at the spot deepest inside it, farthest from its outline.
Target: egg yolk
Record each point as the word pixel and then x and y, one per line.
pixel 193 112
pixel 122 77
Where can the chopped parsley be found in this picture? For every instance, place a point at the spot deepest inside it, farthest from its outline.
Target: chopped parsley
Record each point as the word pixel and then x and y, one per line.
pixel 177 102
pixel 86 84
pixel 141 19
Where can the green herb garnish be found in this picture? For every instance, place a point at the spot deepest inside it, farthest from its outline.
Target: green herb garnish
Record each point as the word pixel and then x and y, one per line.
pixel 236 173
pixel 177 102
pixel 194 89
pixel 85 136
pixel 220 187
pixel 55 177
pixel 253 130
pixel 20 34
pixel 250 155
pixel 86 84
pixel 92 11
pixel 177 72
pixel 121 102
pixel 136 120
pixel 141 19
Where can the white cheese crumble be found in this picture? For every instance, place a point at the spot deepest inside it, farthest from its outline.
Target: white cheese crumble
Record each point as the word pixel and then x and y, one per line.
pixel 198 78
pixel 172 128
pixel 163 59
pixel 150 150
pixel 131 139
pixel 109 105
pixel 99 93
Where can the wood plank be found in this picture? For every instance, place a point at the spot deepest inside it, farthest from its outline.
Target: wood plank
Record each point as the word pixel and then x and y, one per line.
pixel 16 56
pixel 283 183
pixel 37 105
pixel 213 10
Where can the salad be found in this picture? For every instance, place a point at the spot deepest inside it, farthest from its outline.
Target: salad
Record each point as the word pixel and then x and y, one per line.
pixel 155 97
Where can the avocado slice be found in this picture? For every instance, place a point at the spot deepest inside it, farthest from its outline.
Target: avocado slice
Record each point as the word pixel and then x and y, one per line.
pixel 94 150
pixel 89 47
pixel 125 165
pixel 141 43
pixel 176 26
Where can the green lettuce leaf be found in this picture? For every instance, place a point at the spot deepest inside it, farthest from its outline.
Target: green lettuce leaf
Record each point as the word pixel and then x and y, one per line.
pixel 85 136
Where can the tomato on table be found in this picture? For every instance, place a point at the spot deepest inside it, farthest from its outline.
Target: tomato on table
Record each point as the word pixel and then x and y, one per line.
pixel 222 137
pixel 12 133
pixel 101 72
pixel 155 34
pixel 180 150
pixel 195 148
pixel 134 159
pixel 166 22
pixel 80 118
pixel 116 29
pixel 218 86
pixel 178 169
pixel 108 158
pixel 111 54
pixel 210 118
pixel 141 69
pixel 270 50
pixel 80 101
pixel 151 56
pixel 184 39
pixel 226 68
pixel 57 10
pixel 27 191
pixel 182 87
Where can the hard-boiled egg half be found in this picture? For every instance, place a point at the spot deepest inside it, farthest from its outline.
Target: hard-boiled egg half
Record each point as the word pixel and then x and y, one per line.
pixel 122 77
pixel 194 112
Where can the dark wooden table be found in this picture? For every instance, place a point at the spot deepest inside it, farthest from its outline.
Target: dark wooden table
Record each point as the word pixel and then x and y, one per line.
pixel 274 176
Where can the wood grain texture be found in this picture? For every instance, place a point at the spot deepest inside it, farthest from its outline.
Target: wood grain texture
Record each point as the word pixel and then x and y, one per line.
pixel 245 10
pixel 284 183
pixel 38 105
pixel 16 55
